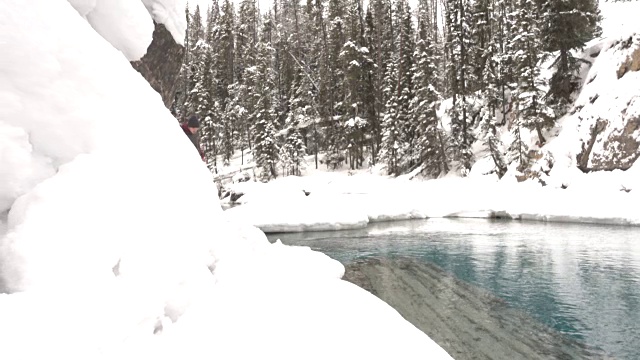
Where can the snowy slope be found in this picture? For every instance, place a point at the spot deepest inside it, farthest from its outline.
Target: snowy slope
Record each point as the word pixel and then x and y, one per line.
pixel 113 246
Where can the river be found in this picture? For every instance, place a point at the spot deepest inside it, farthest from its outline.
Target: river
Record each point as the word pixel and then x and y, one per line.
pixel 500 289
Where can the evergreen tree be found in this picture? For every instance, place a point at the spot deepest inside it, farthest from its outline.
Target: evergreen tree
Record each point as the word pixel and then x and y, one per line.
pixel 197 26
pixel 198 99
pixel 380 34
pixel 391 151
pixel 405 48
pixel 225 53
pixel 518 151
pixel 261 79
pixel 209 137
pixel 529 93
pixel 480 47
pixel 431 142
pixel 370 92
pixel 293 150
pixel 335 40
pixel 460 75
pixel 206 103
pixel 183 87
pixel 246 37
pixel 495 84
pixel 241 104
pixel 356 63
pixel 569 24
pixel 308 102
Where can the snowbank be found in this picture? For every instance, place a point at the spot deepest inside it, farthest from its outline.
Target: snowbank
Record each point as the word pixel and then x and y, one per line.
pixel 112 245
pixel 350 199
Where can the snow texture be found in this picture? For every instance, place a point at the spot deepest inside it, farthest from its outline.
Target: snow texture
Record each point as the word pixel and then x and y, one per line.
pixel 113 245
pixel 127 25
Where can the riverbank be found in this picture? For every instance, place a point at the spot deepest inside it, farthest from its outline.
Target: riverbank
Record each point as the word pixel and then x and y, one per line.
pixel 333 201
pixel 468 322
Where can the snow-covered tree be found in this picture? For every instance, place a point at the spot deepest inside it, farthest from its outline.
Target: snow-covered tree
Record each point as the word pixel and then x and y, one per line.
pixel 432 138
pixel 261 80
pixel 379 32
pixel 405 48
pixel 460 73
pixel 391 149
pixel 293 150
pixel 335 40
pixel 568 25
pixel 529 94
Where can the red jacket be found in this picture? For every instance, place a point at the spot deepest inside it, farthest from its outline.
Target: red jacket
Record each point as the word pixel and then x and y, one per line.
pixel 193 139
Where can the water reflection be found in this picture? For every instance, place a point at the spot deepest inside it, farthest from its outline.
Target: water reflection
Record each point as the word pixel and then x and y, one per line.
pixel 582 280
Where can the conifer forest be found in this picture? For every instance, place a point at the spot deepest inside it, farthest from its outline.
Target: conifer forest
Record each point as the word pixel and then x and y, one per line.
pixel 356 84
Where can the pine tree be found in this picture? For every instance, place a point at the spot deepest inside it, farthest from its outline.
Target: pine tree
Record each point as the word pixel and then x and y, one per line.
pixel 246 35
pixel 197 26
pixel 391 151
pixel 460 75
pixel 198 99
pixel 209 139
pixel 262 79
pixel 518 151
pixel 495 85
pixel 569 24
pixel 380 32
pixel 178 106
pixel 241 104
pixel 480 45
pixel 225 53
pixel 335 40
pixel 313 63
pixel 356 62
pixel 293 150
pixel 370 93
pixel 207 107
pixel 529 93
pixel 431 142
pixel 405 48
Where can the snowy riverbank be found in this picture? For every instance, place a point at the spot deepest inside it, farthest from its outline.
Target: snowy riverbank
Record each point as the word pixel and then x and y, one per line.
pixel 338 201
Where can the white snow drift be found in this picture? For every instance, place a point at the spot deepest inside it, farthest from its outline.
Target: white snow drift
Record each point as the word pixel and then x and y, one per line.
pixel 112 242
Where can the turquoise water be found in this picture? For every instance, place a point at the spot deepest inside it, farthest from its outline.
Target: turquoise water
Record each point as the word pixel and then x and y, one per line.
pixel 581 280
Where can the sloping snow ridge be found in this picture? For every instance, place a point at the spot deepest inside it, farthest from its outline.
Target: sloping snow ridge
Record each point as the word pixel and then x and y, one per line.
pixel 112 244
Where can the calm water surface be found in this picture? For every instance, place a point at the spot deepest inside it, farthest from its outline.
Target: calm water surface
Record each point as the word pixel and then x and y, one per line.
pixel 581 280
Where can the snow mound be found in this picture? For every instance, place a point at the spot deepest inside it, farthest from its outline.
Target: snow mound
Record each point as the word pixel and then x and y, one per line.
pixel 113 244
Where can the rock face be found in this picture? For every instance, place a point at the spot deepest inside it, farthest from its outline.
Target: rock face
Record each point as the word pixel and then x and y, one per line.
pixel 609 109
pixel 161 64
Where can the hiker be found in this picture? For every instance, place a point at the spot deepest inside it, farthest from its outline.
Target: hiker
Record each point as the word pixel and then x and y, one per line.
pixel 191 128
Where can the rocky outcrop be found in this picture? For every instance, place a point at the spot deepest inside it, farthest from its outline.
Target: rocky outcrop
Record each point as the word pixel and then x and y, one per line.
pixel 632 62
pixel 161 64
pixel 619 148
pixel 609 109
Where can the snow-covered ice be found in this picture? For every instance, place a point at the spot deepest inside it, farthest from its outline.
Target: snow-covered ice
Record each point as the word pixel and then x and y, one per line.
pixel 113 245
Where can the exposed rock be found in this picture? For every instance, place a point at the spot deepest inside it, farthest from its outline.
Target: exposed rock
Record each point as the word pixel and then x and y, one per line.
pixel 161 64
pixel 609 109
pixel 587 147
pixel 632 63
pixel 621 148
pixel 235 196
